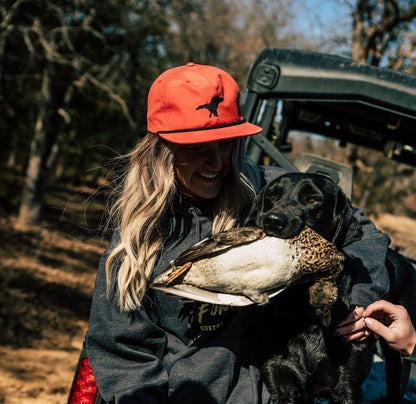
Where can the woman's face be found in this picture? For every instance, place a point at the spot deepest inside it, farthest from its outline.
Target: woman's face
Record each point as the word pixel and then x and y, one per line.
pixel 202 168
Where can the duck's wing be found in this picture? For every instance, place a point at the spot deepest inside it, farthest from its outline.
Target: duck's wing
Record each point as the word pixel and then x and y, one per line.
pixel 207 296
pixel 219 243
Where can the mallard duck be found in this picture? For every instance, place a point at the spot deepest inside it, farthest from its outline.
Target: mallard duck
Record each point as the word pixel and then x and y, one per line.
pixel 244 266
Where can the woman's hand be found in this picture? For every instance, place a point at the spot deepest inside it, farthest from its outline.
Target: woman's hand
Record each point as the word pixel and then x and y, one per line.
pixel 353 328
pixel 391 322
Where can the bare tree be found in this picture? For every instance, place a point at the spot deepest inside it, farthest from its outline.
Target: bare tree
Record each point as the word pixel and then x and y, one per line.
pixel 384 29
pixel 383 33
pixel 67 48
pixel 229 33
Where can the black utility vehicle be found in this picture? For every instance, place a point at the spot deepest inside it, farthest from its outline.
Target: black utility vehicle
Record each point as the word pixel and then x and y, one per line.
pixel 322 94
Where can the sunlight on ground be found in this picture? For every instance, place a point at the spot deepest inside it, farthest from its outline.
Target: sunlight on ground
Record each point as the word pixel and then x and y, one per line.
pixel 38 376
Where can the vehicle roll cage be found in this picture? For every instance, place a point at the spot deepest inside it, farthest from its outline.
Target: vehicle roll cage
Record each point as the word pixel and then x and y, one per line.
pixel 332 96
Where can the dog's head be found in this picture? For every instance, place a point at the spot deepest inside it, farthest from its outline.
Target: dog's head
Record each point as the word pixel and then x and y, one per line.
pixel 295 200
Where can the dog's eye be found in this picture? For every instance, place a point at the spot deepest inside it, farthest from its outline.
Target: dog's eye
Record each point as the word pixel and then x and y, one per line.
pixel 311 200
pixel 273 196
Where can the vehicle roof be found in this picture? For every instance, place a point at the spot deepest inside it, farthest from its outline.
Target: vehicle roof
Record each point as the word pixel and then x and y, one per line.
pixel 339 98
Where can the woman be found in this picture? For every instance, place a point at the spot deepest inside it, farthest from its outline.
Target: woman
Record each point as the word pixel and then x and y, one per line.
pixel 187 179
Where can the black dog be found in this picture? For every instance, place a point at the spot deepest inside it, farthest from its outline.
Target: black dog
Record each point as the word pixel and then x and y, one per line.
pixel 300 358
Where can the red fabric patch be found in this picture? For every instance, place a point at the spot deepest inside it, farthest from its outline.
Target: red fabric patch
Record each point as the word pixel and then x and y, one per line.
pixel 85 388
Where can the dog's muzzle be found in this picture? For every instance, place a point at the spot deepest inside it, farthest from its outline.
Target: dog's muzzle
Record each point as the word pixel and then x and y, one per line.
pixel 274 223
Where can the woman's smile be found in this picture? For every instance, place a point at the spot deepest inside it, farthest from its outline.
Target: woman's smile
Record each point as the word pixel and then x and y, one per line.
pixel 202 168
pixel 208 176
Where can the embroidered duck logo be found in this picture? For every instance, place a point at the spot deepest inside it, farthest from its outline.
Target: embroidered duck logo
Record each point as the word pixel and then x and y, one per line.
pixel 213 105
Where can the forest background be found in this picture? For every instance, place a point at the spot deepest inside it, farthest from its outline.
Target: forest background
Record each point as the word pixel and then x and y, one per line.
pixel 74 77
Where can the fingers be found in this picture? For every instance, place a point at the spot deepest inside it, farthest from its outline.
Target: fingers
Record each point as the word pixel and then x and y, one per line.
pixel 357 336
pixel 381 306
pixel 384 319
pixel 377 327
pixel 353 327
pixel 355 315
pixel 392 322
pixel 386 313
pixel 355 331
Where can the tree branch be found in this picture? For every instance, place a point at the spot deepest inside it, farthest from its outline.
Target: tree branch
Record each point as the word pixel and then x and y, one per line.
pixel 119 100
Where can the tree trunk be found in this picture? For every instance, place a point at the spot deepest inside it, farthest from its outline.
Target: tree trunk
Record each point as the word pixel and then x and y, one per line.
pixel 37 170
pixel 12 159
pixel 358 46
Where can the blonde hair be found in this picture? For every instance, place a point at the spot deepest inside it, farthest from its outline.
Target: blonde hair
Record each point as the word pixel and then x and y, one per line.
pixel 143 196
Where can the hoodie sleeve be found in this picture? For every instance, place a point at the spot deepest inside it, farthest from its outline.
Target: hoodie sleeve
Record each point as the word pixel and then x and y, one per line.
pixel 412 357
pixel 368 256
pixel 125 350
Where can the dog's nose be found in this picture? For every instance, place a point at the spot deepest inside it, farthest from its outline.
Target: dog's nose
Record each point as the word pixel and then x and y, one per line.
pixel 275 221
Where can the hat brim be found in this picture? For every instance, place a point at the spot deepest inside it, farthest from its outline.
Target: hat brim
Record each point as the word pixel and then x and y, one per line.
pixel 205 135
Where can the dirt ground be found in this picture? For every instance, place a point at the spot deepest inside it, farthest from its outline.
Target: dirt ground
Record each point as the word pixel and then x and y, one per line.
pixel 46 280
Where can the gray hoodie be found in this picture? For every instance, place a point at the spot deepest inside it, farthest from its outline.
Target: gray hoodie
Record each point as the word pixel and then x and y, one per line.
pixel 181 351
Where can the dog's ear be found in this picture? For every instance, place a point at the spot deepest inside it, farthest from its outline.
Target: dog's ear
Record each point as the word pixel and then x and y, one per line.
pixel 251 210
pixel 347 228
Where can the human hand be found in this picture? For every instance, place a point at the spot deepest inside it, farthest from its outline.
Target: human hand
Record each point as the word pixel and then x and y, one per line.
pixel 353 328
pixel 391 322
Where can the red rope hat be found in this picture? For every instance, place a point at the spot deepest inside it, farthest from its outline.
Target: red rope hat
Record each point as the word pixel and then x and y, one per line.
pixel 196 104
